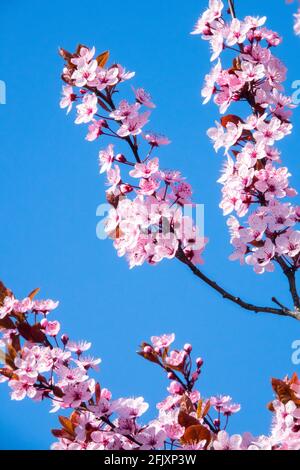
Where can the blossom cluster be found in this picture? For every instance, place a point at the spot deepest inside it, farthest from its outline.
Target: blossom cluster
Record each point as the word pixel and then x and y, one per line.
pixel 40 364
pixel 147 220
pixel 255 186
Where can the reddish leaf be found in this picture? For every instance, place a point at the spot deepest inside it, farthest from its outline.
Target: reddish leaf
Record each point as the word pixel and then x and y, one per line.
pixel 58 392
pixel 33 293
pixel 195 434
pixel 186 420
pixel 97 392
pixel 102 58
pixel 7 323
pixel 230 118
pixel 66 424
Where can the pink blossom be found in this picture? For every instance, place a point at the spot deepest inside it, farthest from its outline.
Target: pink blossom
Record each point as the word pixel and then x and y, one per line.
pixel 22 387
pixel 124 75
pixel 51 328
pixel 148 186
pixel 156 140
pixel 143 97
pixel 7 307
pixel 24 305
pixel 68 98
pixel 226 442
pixel 163 341
pixel 113 177
pixel 78 347
pixel 106 78
pixel 289 243
pixel 133 125
pixel 174 431
pixel 145 170
pixel 86 110
pixel 261 258
pixel 130 407
pixel 95 129
pixel 152 438
pixel 176 358
pixel 75 394
pixel 86 73
pixel 125 111
pixel 44 306
pixel 106 158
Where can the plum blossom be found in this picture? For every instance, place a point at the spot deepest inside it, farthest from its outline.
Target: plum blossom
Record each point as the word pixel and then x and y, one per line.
pixel 163 341
pixel 133 125
pixel 106 158
pixel 143 97
pixel 68 98
pixel 7 307
pixel 226 442
pixel 86 110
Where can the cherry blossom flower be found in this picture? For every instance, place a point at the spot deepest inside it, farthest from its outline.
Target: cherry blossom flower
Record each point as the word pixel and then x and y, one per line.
pixel 68 98
pixel 86 110
pixel 133 125
pixel 95 129
pixel 50 327
pixel 75 394
pixel 78 347
pixel 156 140
pixel 143 97
pixel 163 341
pixel 7 307
pixel 226 442
pixel 22 387
pixel 106 158
pixel 85 73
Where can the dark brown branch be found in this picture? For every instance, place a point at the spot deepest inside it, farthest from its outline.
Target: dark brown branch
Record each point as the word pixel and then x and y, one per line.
pixel 290 273
pixel 231 8
pixel 284 311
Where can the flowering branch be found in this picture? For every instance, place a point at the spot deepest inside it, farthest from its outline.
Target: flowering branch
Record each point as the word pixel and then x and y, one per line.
pixel 250 178
pixel 39 365
pixel 283 311
pixel 153 225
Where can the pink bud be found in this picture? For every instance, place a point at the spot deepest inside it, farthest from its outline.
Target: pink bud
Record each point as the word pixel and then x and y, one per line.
pixel 64 339
pixel 171 376
pixel 148 350
pixel 199 362
pixel 125 188
pixel 188 348
pixel 120 158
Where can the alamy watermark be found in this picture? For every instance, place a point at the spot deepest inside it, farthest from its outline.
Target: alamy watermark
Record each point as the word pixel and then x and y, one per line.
pixel 2 92
pixel 296 93
pixel 186 222
pixel 296 354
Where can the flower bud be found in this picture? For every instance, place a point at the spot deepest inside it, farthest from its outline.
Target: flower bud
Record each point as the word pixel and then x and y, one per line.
pixel 199 362
pixel 120 158
pixel 64 339
pixel 188 348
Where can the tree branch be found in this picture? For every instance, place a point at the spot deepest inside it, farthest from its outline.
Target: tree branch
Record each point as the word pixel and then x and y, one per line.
pixel 284 311
pixel 290 273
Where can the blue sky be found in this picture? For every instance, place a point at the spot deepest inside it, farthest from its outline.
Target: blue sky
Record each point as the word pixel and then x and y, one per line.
pixel 50 190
